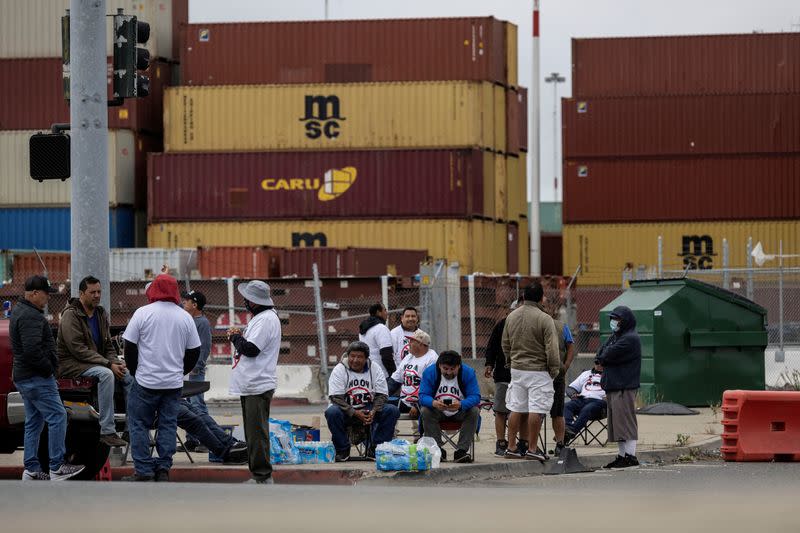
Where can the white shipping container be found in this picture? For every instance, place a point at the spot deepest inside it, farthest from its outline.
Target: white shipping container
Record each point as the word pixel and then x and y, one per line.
pixel 17 188
pixel 32 28
pixel 135 264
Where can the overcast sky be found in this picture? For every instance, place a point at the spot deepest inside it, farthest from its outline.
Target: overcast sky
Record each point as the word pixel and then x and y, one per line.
pixel 561 20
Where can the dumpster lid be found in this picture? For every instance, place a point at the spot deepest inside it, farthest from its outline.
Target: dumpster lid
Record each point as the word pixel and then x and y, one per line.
pixel 712 290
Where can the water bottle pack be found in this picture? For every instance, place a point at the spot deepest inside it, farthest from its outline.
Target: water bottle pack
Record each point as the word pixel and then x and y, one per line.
pixel 399 454
pixel 315 452
pixel 282 449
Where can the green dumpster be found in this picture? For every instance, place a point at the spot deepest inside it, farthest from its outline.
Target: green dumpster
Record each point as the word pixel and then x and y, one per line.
pixel 698 340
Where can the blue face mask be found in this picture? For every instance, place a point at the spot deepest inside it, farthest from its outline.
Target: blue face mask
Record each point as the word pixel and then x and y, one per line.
pixel 614 324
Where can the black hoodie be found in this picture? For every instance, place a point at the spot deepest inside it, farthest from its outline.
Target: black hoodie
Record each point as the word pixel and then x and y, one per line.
pixel 621 354
pixel 387 355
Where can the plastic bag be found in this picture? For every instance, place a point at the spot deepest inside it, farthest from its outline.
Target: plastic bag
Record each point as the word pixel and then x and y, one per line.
pixel 282 449
pixel 433 448
pixel 400 455
pixel 315 452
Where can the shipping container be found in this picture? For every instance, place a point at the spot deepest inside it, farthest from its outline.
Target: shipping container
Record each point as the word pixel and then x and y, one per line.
pixel 478 245
pixel 349 51
pixel 681 125
pixel 513 118
pixel 337 262
pixel 550 217
pixel 335 116
pixel 523 124
pixel 34 97
pixel 517 188
pixel 524 247
pixel 49 228
pixel 27 264
pixel 500 189
pixel 604 250
pixel 692 64
pixel 702 188
pixel 135 264
pixel 32 28
pixel 17 188
pixel 334 184
pixel 145 144
pixel 552 255
pixel 239 262
pixel 513 249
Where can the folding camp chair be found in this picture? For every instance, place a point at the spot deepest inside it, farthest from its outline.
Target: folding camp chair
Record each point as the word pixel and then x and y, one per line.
pixel 592 431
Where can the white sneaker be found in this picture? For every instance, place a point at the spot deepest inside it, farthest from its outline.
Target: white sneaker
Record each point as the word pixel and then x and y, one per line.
pixel 27 475
pixel 65 471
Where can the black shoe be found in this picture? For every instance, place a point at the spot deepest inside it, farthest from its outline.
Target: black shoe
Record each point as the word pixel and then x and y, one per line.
pixel 342 456
pixel 460 456
pixel 161 475
pixel 370 453
pixel 138 477
pixel 631 460
pixel 236 455
pixel 569 436
pixel 188 446
pixel 444 455
pixel 500 448
pixel 538 455
pixel 111 440
pixel 559 447
pixel 199 449
pixel 619 462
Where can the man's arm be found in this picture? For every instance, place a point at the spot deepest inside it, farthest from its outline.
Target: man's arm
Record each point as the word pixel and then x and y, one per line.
pixel 426 387
pixel 31 333
pixel 72 335
pixel 336 388
pixel 570 342
pixel 551 346
pixel 506 344
pixel 244 347
pixel 190 357
pixel 204 332
pixel 472 394
pixel 341 401
pixel 621 352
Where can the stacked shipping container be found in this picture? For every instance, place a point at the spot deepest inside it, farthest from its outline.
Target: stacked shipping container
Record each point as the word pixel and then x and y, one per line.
pixel 377 121
pixel 696 139
pixel 33 99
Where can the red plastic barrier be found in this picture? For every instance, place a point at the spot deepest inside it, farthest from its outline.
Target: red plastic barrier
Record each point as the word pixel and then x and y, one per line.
pixel 105 473
pixel 761 425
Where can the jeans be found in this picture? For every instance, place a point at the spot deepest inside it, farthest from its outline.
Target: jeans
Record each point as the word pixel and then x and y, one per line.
pixel 584 409
pixel 143 406
pixel 255 413
pixel 204 428
pixel 382 426
pixel 199 402
pixel 469 425
pixel 105 395
pixel 43 405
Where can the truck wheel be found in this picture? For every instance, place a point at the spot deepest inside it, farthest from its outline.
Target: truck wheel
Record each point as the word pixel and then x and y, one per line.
pixel 83 448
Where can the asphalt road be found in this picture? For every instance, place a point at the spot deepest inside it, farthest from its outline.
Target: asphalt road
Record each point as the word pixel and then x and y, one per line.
pixel 702 497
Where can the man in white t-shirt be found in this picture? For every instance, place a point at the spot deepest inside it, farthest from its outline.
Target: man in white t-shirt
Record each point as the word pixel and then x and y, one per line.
pixel 358 393
pixel 409 323
pixel 374 333
pixel 254 376
pixel 408 375
pixel 161 346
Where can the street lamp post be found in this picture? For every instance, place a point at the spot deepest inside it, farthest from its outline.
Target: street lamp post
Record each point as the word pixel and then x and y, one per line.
pixel 555 79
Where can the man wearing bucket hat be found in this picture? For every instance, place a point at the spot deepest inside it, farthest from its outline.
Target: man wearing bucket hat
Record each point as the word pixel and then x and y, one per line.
pixel 254 377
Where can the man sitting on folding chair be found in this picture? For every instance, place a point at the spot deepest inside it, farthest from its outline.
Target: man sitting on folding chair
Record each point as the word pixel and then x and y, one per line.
pixel 358 395
pixel 587 401
pixel 450 392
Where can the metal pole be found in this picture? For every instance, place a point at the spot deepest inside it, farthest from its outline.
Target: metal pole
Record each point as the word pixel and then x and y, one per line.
pixel 231 309
pixel 726 276
pixel 385 291
pixel 749 268
pixel 780 298
pixel 660 266
pixel 323 341
pixel 471 290
pixel 555 79
pixel 533 185
pixel 89 145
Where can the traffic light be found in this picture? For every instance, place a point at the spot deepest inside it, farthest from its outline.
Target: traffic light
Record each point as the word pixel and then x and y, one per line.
pixel 129 58
pixel 49 156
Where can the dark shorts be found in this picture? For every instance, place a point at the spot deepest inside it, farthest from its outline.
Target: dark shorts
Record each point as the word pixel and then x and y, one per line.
pixel 500 390
pixel 560 388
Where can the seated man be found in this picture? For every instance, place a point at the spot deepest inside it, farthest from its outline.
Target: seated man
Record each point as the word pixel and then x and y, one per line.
pixel 199 424
pixel 587 400
pixel 408 375
pixel 449 391
pixel 358 393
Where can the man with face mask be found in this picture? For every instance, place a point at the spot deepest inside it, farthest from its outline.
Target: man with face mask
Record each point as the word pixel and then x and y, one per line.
pixel 621 358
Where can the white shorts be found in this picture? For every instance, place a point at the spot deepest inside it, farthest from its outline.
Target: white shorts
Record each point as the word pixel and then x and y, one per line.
pixel 530 392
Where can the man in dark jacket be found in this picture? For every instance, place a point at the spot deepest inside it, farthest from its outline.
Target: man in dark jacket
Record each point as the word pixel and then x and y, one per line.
pixel 496 368
pixel 34 370
pixel 621 357
pixel 85 349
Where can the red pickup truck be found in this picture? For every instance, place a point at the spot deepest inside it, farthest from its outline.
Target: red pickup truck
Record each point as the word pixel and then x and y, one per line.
pixel 80 399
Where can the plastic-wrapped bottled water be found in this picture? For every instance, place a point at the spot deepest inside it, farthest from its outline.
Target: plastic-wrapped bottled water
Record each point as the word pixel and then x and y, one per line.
pixel 316 452
pixel 400 455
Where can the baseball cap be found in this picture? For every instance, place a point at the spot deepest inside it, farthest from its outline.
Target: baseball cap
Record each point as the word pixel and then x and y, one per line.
pixel 421 337
pixel 39 283
pixel 197 297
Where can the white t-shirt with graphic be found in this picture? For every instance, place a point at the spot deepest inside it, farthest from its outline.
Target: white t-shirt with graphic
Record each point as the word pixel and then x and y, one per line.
pixel 449 391
pixel 163 332
pixel 378 337
pixel 409 375
pixel 400 343
pixel 359 387
pixel 259 374
pixel 588 385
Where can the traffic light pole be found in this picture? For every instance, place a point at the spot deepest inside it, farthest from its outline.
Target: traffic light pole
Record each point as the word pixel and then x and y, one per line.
pixel 89 147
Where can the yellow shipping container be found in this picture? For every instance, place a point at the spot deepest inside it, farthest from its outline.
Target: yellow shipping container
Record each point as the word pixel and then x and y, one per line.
pixel 517 187
pixel 524 247
pixel 478 245
pixel 335 116
pixel 604 250
pixel 511 53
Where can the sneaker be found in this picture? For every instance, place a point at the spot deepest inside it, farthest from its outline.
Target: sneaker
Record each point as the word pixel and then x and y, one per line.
pixel 631 460
pixel 161 475
pixel 65 471
pixel 514 454
pixel 569 436
pixel 27 475
pixel 500 448
pixel 559 448
pixel 619 462
pixel 188 446
pixel 342 456
pixel 538 455
pixel 460 456
pixel 237 455
pixel 268 481
pixel 522 446
pixel 112 440
pixel 199 448
pixel 139 477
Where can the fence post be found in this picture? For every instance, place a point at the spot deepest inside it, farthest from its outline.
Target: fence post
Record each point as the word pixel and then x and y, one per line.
pixel 779 355
pixel 426 298
pixel 726 275
pixel 323 341
pixel 385 291
pixel 471 287
pixel 660 265
pixel 452 317
pixel 231 309
pixel 750 268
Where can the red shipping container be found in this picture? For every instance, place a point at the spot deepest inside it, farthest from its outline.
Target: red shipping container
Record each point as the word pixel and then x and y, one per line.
pixel 344 51
pixel 33 97
pixel 552 254
pixel 681 125
pixel 306 185
pixel 694 188
pixel 145 144
pixel 693 64
pixel 239 261
pixel 336 262
pixel 512 249
pixel 28 264
pixel 513 118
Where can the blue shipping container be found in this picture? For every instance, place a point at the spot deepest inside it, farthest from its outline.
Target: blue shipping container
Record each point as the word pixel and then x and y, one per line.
pixel 49 228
